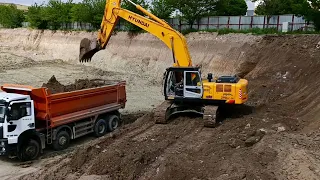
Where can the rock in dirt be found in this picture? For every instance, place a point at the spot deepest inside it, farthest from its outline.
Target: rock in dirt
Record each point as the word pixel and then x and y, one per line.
pixel 261 132
pixel 252 140
pixel 278 127
pixel 235 143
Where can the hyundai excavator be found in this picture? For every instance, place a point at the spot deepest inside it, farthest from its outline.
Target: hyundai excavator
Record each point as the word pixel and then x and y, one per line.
pixel 184 89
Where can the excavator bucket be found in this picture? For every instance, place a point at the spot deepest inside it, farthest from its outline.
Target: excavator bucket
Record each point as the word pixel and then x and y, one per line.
pixel 87 49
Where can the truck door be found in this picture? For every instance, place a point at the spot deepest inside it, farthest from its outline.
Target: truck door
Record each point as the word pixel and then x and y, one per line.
pixel 19 119
pixel 192 85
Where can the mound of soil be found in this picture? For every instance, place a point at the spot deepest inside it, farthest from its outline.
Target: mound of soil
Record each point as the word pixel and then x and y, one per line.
pixel 56 87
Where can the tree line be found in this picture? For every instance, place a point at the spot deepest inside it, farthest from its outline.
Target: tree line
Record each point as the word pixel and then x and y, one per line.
pixel 55 13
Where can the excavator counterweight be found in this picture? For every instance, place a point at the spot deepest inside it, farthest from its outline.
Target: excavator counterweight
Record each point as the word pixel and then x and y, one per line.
pixel 184 89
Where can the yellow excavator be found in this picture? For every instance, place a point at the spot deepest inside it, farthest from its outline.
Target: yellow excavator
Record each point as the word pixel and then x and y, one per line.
pixel 184 89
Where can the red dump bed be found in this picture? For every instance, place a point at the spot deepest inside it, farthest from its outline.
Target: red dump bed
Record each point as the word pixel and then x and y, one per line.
pixel 63 108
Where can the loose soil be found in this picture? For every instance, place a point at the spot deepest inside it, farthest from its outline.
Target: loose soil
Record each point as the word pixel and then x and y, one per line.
pixel 56 87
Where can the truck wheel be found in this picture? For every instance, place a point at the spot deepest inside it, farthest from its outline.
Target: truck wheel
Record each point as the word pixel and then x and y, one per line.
pixel 62 141
pixel 113 122
pixel 29 151
pixel 100 128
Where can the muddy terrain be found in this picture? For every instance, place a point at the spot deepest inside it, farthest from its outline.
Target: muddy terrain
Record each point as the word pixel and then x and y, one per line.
pixel 274 136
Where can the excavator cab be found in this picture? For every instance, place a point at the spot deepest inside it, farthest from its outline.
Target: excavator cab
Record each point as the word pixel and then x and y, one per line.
pixel 183 84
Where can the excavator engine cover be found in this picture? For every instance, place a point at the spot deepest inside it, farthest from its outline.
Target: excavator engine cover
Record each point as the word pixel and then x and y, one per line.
pixel 87 49
pixel 228 79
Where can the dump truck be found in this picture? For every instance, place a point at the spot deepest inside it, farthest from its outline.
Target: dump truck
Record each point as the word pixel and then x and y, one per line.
pixel 33 118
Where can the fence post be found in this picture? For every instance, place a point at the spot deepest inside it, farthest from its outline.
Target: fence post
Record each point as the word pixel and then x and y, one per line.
pixel 240 22
pixel 208 22
pixel 218 25
pixel 292 22
pixel 264 22
pixel 251 23
pixel 228 22
pixel 278 23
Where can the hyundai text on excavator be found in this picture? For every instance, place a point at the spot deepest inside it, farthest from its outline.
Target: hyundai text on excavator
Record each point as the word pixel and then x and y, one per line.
pixel 184 89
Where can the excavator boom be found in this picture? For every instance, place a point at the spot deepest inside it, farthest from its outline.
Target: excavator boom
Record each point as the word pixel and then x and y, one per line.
pixel 159 28
pixel 184 89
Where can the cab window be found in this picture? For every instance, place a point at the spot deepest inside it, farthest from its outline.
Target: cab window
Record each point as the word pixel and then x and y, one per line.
pixel 192 79
pixel 20 110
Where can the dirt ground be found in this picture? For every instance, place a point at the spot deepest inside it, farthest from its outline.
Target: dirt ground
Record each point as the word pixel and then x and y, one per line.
pixel 274 136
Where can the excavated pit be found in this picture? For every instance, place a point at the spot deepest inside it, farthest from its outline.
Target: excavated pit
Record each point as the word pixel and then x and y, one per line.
pixel 274 136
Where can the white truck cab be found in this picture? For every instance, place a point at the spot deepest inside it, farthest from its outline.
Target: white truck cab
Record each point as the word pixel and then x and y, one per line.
pixel 16 118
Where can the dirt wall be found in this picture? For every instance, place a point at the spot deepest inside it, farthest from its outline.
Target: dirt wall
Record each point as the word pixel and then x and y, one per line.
pixel 143 53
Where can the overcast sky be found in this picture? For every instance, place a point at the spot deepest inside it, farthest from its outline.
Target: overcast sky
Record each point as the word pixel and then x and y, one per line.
pixel 30 2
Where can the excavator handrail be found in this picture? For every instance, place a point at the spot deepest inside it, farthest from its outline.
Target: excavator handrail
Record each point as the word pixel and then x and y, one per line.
pixel 154 25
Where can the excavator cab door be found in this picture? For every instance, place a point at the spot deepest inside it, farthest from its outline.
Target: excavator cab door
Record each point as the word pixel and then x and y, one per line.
pixel 183 83
pixel 192 85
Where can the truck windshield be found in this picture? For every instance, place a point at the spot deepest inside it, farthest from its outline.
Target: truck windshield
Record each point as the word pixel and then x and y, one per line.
pixel 2 113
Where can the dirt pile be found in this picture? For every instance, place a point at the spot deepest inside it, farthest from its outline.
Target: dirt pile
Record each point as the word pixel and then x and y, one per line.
pixel 56 87
pixel 265 140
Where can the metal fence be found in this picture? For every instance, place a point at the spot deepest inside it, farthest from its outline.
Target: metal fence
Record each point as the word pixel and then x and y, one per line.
pixel 219 22
pixel 244 22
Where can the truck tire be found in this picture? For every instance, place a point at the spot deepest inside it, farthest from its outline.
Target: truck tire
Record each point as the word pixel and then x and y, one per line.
pixel 29 151
pixel 100 128
pixel 113 122
pixel 62 141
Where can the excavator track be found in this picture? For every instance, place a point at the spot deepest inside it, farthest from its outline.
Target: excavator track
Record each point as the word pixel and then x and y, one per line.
pixel 210 116
pixel 160 113
pixel 168 109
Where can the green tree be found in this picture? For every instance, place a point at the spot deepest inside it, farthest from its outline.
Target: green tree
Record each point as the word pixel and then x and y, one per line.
pixel 279 7
pixel 80 13
pixel 127 5
pixel 313 13
pixel 161 8
pixel 10 16
pixel 35 17
pixel 97 9
pixel 308 9
pixel 89 11
pixel 231 8
pixel 193 10
pixel 57 13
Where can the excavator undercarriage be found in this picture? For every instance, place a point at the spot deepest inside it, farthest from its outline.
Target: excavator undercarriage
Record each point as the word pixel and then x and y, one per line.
pixel 164 112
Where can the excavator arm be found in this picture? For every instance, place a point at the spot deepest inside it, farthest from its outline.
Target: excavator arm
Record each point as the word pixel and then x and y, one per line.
pixel 159 28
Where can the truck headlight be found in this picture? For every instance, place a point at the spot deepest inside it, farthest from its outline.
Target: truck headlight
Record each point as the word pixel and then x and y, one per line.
pixel 3 149
pixel 2 143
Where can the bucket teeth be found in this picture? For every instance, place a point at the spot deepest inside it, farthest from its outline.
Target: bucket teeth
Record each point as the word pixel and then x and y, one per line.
pixel 87 49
